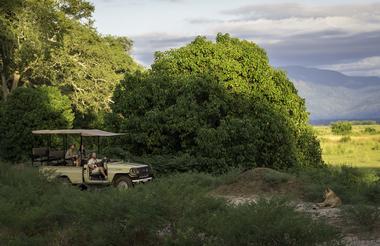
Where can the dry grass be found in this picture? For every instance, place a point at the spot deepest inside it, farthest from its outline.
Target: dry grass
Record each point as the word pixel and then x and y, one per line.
pixel 361 149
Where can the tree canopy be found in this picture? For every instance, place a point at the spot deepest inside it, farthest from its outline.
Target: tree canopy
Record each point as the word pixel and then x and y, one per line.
pixel 29 109
pixel 212 106
pixel 53 42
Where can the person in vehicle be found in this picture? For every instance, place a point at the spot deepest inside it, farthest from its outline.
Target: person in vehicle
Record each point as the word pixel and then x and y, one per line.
pixel 71 155
pixel 94 168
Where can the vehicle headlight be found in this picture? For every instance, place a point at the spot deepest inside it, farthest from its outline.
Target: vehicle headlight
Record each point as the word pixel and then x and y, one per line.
pixel 134 171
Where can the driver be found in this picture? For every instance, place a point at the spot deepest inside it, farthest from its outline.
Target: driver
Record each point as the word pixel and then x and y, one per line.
pixel 94 168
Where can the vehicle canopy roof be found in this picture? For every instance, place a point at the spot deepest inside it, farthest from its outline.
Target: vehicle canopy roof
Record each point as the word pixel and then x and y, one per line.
pixel 81 132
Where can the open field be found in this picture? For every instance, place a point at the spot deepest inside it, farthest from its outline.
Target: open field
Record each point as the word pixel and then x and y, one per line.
pixel 360 149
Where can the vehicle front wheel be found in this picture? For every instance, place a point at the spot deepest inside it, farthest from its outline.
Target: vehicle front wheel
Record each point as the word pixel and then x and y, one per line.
pixel 64 181
pixel 123 183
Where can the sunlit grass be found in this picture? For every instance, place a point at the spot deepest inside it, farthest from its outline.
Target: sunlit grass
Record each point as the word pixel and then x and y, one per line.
pixel 361 149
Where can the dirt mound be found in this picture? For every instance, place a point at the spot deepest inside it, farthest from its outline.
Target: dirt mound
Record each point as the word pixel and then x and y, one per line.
pixel 261 181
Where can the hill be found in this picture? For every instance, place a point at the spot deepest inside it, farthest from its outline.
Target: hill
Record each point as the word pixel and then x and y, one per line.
pixel 331 95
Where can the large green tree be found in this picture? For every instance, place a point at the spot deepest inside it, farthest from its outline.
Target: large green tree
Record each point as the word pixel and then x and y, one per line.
pixel 87 68
pixel 215 105
pixel 29 31
pixel 52 42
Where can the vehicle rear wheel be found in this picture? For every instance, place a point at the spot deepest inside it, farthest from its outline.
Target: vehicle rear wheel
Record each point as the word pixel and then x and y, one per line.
pixel 123 183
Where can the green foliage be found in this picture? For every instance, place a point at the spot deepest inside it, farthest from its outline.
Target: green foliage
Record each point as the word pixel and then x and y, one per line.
pixel 30 30
pixel 367 217
pixel 174 210
pixel 341 127
pixel 53 43
pixel 345 139
pixel 87 69
pixel 363 122
pixel 214 106
pixel 269 222
pixel 352 185
pixel 370 130
pixel 273 177
pixel 28 109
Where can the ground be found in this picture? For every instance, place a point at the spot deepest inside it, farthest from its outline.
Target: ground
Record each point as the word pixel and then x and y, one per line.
pixel 266 183
pixel 361 149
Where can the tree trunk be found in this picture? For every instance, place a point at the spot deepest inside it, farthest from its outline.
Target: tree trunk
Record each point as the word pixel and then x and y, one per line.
pixel 4 86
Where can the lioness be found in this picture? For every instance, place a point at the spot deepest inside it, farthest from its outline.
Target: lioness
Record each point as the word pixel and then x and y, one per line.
pixel 331 199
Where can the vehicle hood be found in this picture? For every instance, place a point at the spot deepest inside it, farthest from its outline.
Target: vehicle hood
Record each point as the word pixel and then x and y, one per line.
pixel 123 164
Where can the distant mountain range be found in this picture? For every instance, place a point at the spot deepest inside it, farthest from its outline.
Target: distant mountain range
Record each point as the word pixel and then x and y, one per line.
pixel 331 95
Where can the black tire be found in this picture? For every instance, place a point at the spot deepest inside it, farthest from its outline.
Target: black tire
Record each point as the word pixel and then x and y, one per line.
pixel 64 180
pixel 123 183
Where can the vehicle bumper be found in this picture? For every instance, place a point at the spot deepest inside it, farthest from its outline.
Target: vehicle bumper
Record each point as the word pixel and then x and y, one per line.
pixel 144 180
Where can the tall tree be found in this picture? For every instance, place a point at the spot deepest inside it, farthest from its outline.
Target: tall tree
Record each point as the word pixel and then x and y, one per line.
pixel 87 68
pixel 29 31
pixel 52 42
pixel 214 105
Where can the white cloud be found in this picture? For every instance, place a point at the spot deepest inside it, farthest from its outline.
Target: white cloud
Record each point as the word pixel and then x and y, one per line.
pixel 296 26
pixel 369 66
pixel 292 34
pixel 291 10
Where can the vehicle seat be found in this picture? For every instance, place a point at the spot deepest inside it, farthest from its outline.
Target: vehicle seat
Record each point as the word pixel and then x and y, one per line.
pixel 40 155
pixel 56 157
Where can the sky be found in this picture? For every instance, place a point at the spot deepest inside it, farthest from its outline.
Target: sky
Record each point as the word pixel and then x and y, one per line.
pixel 335 34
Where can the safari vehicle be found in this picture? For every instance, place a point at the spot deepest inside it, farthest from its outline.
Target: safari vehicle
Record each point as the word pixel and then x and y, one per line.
pixel 52 162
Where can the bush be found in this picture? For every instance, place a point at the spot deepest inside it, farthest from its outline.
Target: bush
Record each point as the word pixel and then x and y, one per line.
pixel 174 210
pixel 370 130
pixel 28 109
pixel 367 217
pixel 345 139
pixel 352 185
pixel 216 106
pixel 269 222
pixel 341 127
pixel 273 177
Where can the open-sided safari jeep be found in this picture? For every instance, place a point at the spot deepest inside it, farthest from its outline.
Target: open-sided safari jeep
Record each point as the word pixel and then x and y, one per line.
pixel 52 162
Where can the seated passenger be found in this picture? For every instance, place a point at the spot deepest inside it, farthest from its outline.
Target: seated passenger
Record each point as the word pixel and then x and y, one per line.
pixel 71 155
pixel 94 168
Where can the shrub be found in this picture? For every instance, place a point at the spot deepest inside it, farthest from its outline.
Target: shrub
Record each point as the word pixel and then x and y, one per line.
pixel 341 127
pixel 267 222
pixel 370 130
pixel 28 109
pixel 352 185
pixel 345 139
pixel 217 106
pixel 174 210
pixel 367 217
pixel 275 178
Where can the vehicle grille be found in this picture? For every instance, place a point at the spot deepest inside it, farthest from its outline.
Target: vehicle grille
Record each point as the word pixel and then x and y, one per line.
pixel 143 171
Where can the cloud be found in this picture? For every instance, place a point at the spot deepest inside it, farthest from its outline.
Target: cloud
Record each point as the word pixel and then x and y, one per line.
pixel 369 66
pixel 302 34
pixel 320 48
pixel 203 21
pixel 295 10
pixel 293 34
pixel 149 43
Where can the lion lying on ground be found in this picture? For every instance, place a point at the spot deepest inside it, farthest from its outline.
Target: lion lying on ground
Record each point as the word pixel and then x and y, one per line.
pixel 331 199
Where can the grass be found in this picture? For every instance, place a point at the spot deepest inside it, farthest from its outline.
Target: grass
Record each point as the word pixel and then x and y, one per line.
pixel 173 210
pixel 361 148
